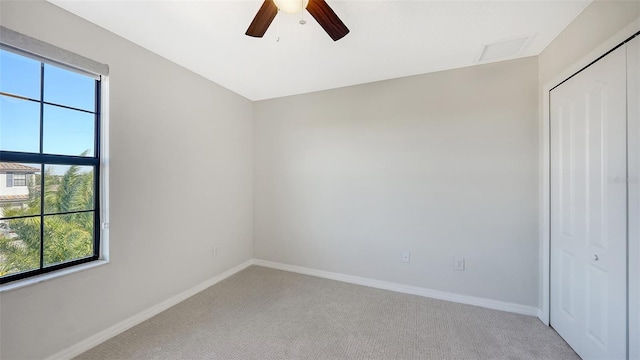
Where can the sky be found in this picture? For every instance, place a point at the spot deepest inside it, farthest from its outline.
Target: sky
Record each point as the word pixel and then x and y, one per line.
pixel 65 131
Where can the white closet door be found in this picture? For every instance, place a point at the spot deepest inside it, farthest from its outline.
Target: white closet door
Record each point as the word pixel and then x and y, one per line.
pixel 633 104
pixel 588 301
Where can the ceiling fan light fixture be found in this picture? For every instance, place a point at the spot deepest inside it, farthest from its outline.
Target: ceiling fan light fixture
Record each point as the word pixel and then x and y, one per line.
pixel 319 10
pixel 291 6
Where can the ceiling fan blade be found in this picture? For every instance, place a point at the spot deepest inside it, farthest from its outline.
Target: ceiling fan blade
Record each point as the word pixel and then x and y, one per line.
pixel 328 19
pixel 263 19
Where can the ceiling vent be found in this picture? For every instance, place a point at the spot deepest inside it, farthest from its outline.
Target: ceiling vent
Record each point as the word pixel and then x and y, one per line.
pixel 503 49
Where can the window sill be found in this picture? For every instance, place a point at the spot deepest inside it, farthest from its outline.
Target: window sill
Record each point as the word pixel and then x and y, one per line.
pixel 19 284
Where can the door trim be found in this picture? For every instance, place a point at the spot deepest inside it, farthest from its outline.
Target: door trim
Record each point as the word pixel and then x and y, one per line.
pixel 545 164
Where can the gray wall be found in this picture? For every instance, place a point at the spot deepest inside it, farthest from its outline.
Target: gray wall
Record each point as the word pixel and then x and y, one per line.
pixel 181 181
pixel 442 165
pixel 596 24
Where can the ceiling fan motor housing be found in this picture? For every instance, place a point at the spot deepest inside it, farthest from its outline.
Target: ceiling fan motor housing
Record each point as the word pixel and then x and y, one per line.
pixel 291 6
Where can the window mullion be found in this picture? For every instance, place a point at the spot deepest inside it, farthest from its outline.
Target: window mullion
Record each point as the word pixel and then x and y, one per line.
pixel 41 107
pixel 10 156
pixel 42 216
pixel 41 166
pixel 97 222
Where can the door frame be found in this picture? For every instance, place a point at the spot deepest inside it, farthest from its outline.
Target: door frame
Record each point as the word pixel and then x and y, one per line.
pixel 545 166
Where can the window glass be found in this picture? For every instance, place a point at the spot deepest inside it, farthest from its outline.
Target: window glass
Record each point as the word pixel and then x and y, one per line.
pixel 68 88
pixel 19 75
pixel 19 125
pixel 68 132
pixel 68 188
pixel 67 237
pixel 15 199
pixel 19 245
pixel 19 180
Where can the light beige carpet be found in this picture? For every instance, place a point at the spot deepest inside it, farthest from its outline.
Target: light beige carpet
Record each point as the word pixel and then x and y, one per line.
pixel 262 313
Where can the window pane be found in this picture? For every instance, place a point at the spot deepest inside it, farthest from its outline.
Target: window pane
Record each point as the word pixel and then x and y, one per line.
pixel 67 237
pixel 19 200
pixel 19 245
pixel 68 132
pixel 20 180
pixel 19 75
pixel 68 188
pixel 67 88
pixel 19 125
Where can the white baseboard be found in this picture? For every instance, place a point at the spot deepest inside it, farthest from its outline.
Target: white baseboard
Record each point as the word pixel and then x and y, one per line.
pixel 406 289
pixel 124 325
pixel 543 317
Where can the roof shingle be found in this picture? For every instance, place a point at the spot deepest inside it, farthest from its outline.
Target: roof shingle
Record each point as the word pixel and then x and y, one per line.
pixel 14 197
pixel 7 166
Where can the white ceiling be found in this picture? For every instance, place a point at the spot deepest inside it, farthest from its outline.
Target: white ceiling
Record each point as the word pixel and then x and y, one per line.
pixel 388 39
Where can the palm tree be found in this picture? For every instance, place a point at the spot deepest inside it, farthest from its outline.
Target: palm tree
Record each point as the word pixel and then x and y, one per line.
pixel 66 236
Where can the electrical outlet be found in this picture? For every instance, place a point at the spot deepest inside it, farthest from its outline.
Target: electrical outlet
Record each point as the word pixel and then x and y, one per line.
pixel 406 257
pixel 459 263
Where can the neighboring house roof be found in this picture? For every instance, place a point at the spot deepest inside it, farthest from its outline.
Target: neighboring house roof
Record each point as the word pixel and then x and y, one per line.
pixel 15 167
pixel 12 198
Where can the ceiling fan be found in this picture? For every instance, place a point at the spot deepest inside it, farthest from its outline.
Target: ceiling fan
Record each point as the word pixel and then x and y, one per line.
pixel 319 9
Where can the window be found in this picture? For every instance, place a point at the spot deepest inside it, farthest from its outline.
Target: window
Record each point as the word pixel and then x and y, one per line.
pixel 19 180
pixel 50 155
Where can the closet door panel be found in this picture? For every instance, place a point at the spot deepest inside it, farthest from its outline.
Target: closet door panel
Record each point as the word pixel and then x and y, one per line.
pixel 588 128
